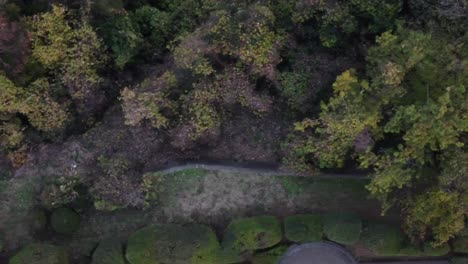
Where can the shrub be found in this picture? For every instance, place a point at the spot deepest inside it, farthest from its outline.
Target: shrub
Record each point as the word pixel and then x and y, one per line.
pixel 294 87
pixel 431 251
pixel 41 254
pixel 271 256
pixel 171 243
pixel 64 221
pixel 60 191
pixel 382 239
pixel 342 228
pixel 458 260
pixel 460 244
pixel 108 252
pixel 252 233
pixel 303 228
pixel 409 250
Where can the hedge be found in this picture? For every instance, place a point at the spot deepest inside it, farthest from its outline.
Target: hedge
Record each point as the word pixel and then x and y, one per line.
pixel 304 228
pixel 382 239
pixel 41 254
pixel 342 228
pixel 171 243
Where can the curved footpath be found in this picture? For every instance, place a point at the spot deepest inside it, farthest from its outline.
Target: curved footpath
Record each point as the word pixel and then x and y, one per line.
pixel 261 170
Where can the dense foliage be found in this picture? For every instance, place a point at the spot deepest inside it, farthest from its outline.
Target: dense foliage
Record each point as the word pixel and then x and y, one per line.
pixel 377 87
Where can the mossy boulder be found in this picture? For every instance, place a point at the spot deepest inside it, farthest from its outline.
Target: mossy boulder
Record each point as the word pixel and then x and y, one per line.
pixel 109 252
pixel 253 233
pixel 342 228
pixel 304 228
pixel 65 221
pixel 171 243
pixel 41 254
pixel 271 256
pixel 382 239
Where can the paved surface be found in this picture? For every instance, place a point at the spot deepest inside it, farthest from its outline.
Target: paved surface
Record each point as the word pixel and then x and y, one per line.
pixel 410 262
pixel 317 253
pixel 330 253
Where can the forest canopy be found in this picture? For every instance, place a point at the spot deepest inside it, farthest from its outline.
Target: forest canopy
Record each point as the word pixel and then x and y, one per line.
pixel 374 87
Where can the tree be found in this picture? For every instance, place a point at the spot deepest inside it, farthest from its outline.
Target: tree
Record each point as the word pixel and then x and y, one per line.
pixel 250 36
pixel 416 97
pixel 123 39
pixel 69 49
pixel 35 102
pixel 339 20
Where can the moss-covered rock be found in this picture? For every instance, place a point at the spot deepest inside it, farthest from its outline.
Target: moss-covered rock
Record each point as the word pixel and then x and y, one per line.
pixel 253 233
pixel 382 239
pixel 41 254
pixel 431 251
pixel 64 221
pixel 304 228
pixel 342 228
pixel 171 243
pixel 271 256
pixel 109 252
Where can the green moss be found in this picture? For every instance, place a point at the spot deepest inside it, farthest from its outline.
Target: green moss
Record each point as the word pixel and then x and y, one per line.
pixel 271 256
pixel 304 228
pixel 382 239
pixel 41 254
pixel 245 235
pixel 436 251
pixel 108 252
pixel 342 228
pixel 171 243
pixel 65 221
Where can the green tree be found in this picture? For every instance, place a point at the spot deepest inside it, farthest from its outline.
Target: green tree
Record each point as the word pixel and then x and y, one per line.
pixel 70 49
pixel 337 22
pixel 35 102
pixel 416 97
pixel 123 38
